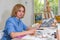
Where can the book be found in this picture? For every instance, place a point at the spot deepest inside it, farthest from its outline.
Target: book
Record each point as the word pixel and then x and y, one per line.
pixel 47 22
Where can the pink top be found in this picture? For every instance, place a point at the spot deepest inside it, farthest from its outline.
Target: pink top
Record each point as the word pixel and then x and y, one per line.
pixel 20 36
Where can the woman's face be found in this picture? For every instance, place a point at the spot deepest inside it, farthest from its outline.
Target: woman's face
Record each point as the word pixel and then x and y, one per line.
pixel 20 13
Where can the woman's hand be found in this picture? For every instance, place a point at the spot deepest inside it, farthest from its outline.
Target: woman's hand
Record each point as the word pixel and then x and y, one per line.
pixel 37 25
pixel 53 25
pixel 31 31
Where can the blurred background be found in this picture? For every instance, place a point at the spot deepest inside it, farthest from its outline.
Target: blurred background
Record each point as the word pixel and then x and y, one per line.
pixel 34 10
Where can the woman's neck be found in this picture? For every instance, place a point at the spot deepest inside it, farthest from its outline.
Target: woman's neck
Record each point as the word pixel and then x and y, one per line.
pixel 17 18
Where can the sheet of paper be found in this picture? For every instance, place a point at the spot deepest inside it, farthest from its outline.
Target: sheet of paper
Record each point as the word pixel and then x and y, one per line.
pixel 31 37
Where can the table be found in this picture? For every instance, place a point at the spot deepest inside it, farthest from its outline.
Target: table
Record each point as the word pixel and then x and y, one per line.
pixel 42 32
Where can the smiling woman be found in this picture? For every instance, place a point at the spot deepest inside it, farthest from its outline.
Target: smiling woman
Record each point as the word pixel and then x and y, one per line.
pixel 18 11
pixel 14 26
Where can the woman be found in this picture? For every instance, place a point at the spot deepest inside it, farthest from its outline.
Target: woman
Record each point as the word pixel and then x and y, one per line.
pixel 14 26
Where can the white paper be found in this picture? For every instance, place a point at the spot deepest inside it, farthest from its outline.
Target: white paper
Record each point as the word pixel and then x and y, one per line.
pixel 31 37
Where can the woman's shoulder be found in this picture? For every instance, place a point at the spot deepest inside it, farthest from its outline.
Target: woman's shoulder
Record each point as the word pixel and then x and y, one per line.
pixel 11 19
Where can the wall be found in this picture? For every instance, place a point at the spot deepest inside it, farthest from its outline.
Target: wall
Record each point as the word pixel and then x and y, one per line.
pixel 6 8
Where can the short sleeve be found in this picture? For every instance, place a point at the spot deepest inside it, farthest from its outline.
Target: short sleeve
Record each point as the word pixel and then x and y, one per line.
pixel 10 28
pixel 24 27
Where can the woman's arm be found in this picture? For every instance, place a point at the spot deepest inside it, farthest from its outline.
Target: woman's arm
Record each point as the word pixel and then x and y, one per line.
pixel 16 34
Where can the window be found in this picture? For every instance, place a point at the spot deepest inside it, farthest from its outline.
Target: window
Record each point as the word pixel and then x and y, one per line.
pixel 54 6
pixel 39 6
pixel 38 9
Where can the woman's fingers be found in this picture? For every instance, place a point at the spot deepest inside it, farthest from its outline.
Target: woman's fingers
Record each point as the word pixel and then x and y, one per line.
pixel 32 31
pixel 37 25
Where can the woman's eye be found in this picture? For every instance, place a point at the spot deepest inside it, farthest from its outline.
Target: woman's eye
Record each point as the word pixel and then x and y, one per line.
pixel 21 11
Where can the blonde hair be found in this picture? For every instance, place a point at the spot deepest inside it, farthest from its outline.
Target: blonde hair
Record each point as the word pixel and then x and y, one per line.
pixel 16 8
